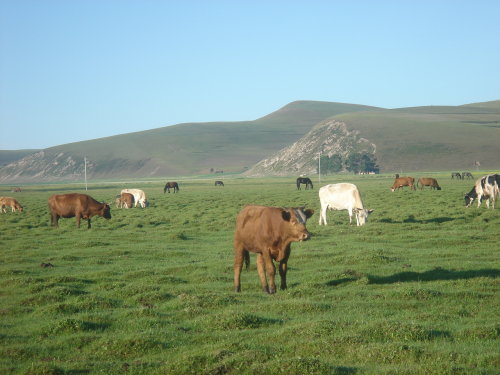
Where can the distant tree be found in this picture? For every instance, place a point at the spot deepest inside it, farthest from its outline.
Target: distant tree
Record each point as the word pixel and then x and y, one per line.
pixel 330 164
pixel 361 162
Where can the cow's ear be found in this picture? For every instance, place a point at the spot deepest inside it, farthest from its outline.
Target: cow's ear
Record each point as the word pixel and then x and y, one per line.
pixel 286 215
pixel 309 212
pixel 370 211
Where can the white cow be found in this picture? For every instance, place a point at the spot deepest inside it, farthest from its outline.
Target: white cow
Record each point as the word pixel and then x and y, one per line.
pixel 139 196
pixel 343 196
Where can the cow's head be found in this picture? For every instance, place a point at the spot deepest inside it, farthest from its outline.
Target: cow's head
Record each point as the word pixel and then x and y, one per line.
pixel 297 218
pixel 362 215
pixel 106 211
pixel 468 200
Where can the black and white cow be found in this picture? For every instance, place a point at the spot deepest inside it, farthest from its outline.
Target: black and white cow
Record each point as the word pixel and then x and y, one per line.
pixel 486 188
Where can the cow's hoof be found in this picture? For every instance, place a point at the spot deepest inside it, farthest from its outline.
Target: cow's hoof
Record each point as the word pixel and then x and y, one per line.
pixel 237 289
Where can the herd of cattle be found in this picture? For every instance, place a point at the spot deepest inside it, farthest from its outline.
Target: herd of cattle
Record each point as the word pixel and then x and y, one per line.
pixel 266 231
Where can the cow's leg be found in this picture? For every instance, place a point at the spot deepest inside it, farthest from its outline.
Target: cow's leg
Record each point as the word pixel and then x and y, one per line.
pixel 54 219
pixel 238 265
pixel 88 222
pixel 283 268
pixel 262 273
pixel 270 272
pixel 322 214
pixel 350 215
pixel 78 220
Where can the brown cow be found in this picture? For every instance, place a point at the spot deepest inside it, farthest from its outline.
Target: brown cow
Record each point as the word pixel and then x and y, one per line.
pixel 269 232
pixel 79 205
pixel 403 181
pixel 126 200
pixel 10 202
pixel 427 181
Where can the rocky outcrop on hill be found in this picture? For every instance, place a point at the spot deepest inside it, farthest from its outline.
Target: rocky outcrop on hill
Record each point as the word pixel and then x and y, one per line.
pixel 329 137
pixel 45 166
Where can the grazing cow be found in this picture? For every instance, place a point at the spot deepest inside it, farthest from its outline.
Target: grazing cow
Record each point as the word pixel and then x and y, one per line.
pixel 304 180
pixel 456 175
pixel 219 183
pixel 171 185
pixel 16 190
pixel 125 200
pixel 427 181
pixel 343 196
pixel 76 205
pixel 269 232
pixel 403 181
pixel 139 196
pixel 10 202
pixel 468 175
pixel 486 188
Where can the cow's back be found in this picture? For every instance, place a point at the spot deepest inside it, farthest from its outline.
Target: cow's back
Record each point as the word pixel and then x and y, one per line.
pixel 68 204
pixel 340 196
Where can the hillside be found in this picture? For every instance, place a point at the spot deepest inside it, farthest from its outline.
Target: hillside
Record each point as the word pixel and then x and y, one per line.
pixel 183 149
pixel 403 140
pixel 286 141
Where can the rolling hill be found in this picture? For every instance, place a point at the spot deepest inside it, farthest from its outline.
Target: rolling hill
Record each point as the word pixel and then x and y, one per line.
pixel 404 139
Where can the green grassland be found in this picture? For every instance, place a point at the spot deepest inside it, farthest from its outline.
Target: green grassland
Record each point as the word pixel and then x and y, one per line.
pixel 414 291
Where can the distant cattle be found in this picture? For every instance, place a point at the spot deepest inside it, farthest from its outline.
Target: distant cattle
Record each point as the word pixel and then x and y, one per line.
pixel 343 196
pixel 219 183
pixel 306 181
pixel 81 206
pixel 486 188
pixel 403 181
pixel 125 200
pixel 139 196
pixel 171 185
pixel 456 175
pixel 468 175
pixel 269 232
pixel 10 202
pixel 427 181
pixel 16 190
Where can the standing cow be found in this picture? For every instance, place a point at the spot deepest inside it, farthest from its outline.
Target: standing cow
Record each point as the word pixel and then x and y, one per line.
pixel 486 188
pixel 10 202
pixel 269 232
pixel 139 196
pixel 125 200
pixel 403 181
pixel 343 196
pixel 81 206
pixel 427 181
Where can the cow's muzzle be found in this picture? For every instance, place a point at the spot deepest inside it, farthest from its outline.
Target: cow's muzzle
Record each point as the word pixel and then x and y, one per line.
pixel 305 236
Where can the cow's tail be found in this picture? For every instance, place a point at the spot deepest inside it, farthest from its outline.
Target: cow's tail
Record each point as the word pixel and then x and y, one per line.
pixel 246 257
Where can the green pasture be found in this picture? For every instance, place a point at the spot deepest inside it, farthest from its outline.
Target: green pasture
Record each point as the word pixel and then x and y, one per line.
pixel 415 291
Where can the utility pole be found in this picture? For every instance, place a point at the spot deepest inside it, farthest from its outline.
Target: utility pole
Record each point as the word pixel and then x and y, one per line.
pixel 85 162
pixel 319 167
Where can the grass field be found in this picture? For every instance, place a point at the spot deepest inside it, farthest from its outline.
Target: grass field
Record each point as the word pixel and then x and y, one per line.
pixel 415 291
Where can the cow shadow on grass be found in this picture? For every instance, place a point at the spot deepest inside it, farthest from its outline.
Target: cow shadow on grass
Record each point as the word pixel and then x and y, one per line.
pixel 412 219
pixel 436 274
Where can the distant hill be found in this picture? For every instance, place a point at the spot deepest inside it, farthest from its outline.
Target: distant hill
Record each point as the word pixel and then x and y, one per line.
pixel 404 139
pixel 9 156
pixel 184 149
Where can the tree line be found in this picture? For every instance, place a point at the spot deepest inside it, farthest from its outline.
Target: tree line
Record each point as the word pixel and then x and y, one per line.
pixel 355 162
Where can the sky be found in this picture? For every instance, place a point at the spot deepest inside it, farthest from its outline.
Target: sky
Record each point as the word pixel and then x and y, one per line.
pixel 74 70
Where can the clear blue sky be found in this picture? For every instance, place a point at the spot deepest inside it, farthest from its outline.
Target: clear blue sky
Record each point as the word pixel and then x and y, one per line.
pixel 73 70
